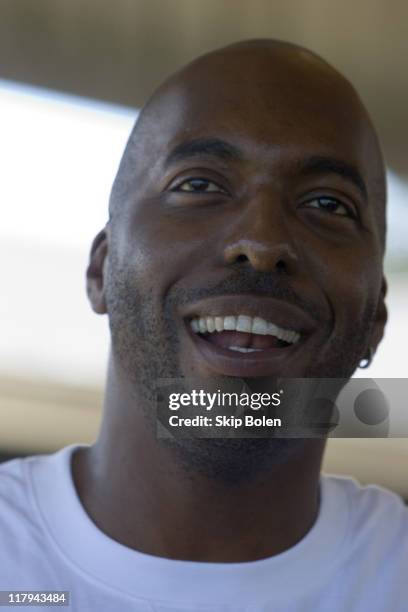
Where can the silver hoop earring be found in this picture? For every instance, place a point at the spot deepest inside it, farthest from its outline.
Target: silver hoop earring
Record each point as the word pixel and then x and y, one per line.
pixel 366 362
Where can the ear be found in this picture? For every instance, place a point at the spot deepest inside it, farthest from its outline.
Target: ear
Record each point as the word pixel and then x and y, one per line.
pixel 381 317
pixel 96 271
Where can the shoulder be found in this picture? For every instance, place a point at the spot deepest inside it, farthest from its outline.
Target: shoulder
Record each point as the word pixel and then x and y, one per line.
pixel 20 532
pixel 378 517
pixel 369 500
pixel 25 541
pixel 14 497
pixel 26 482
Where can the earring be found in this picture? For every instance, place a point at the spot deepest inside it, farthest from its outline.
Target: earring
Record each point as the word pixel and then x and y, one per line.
pixel 366 362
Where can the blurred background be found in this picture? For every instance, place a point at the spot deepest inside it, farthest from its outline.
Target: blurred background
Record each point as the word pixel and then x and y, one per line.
pixel 73 74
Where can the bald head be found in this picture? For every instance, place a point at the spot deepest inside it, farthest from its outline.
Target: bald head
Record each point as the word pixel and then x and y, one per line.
pixel 290 85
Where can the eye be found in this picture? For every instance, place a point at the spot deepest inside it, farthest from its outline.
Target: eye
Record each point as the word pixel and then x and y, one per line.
pixel 331 205
pixel 198 185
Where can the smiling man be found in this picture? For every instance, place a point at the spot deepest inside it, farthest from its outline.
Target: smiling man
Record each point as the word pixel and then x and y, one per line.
pixel 245 240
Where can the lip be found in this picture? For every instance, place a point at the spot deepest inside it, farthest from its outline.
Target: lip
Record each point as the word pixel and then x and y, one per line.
pixel 283 314
pixel 269 362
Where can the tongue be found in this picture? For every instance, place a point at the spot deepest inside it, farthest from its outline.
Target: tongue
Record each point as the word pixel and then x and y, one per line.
pixel 225 339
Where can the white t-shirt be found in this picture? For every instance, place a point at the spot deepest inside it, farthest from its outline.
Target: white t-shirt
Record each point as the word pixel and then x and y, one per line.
pixel 355 557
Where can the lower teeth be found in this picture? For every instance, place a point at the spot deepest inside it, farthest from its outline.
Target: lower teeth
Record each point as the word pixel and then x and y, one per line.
pixel 241 349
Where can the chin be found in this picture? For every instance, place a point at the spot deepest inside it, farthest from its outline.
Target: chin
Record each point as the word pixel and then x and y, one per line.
pixel 234 461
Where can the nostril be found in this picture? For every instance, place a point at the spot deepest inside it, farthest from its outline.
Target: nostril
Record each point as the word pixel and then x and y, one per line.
pixel 242 258
pixel 280 265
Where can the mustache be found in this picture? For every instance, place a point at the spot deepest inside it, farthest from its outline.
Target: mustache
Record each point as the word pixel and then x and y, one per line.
pixel 260 283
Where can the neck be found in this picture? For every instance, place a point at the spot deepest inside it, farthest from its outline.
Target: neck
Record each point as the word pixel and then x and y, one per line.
pixel 138 493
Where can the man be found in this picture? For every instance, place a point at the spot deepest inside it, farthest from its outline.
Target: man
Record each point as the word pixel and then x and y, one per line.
pixel 252 188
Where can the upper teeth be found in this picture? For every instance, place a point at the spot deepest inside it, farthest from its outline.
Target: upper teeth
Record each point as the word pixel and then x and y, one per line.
pixel 243 323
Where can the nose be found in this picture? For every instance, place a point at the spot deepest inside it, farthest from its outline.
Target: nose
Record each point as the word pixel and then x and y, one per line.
pixel 261 237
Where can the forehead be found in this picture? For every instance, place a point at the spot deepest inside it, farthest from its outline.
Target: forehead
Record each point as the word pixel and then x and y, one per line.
pixel 264 107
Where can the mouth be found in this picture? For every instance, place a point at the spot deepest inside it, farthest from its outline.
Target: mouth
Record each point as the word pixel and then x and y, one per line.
pixel 249 336
pixel 243 333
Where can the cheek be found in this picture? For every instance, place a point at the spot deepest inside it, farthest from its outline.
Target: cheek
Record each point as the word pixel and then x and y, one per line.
pixel 351 281
pixel 162 249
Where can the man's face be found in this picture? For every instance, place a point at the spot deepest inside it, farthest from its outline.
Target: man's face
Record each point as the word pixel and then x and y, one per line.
pixel 253 195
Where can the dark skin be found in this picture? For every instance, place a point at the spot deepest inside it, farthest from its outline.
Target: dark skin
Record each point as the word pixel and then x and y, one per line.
pixel 266 213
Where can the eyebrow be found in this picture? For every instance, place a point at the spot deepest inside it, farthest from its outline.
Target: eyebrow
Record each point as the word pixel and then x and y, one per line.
pixel 322 165
pixel 208 147
pixel 220 149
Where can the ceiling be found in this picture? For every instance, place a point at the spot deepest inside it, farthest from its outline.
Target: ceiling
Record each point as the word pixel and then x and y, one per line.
pixel 119 51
